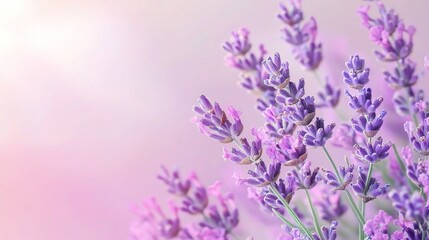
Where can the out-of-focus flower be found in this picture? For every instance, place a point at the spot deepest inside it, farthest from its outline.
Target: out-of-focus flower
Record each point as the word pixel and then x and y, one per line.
pixel 329 97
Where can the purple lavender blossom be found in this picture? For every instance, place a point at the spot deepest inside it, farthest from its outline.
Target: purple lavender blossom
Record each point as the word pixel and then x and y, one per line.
pixel 316 134
pixel 363 103
pixel 303 112
pixel 154 223
pixel 420 141
pixel 263 176
pixel 330 97
pixel 276 124
pixel 289 151
pixel 410 206
pixel 368 192
pixel 369 124
pixel 286 187
pixel 402 77
pixel 292 94
pixel 346 174
pixel 377 227
pixel 302 36
pixel 345 137
pixel 330 206
pixel 197 202
pixel 174 182
pixel 372 152
pixel 246 154
pixel 357 75
pixel 278 71
pixel 305 177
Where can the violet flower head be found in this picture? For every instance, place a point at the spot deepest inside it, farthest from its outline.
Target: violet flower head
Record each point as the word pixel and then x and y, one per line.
pixel 377 227
pixel 278 72
pixel 357 76
pixel 330 205
pixel 345 137
pixel 174 182
pixel 369 124
pixel 291 15
pixel 346 174
pixel 363 103
pixel 401 46
pixel 410 206
pixel 247 153
pixel 289 151
pixel 405 105
pixel 303 112
pixel 311 57
pixel 372 190
pixel 292 94
pixel 402 77
pixel 329 97
pixel 316 134
pixel 196 202
pixel 305 177
pixel 213 122
pixel 286 187
pixel 239 43
pixel 263 176
pixel 277 124
pixel 372 152
pixel 419 141
pixel 153 222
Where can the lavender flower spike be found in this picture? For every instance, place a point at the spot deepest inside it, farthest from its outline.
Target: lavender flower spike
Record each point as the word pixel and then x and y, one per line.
pixel 264 176
pixel 316 134
pixel 278 71
pixel 358 75
pixel 174 182
pixel 330 97
pixel 372 152
pixel 363 103
pixel 346 173
pixel 369 125
pixel 420 141
pixel 303 112
pixel 305 178
pixel 372 190
pixel 286 188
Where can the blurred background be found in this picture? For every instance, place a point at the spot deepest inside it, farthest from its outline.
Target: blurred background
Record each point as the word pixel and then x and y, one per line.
pixel 96 95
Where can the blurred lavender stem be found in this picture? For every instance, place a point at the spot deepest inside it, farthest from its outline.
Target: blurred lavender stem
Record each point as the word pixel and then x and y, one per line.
pixel 314 214
pixel 352 203
pixel 301 226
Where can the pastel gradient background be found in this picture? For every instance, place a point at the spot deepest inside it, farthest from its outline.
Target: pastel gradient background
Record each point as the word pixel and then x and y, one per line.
pixel 96 95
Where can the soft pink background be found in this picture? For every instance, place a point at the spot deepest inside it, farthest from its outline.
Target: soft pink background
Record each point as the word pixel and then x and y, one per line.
pixel 96 95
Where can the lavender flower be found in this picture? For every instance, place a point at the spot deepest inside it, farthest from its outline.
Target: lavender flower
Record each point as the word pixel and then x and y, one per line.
pixel 368 192
pixel 357 75
pixel 174 182
pixel 277 124
pixel 372 152
pixel 305 177
pixel 301 36
pixel 246 153
pixel 330 97
pixel 345 137
pixel 198 201
pixel 278 71
pixel 420 141
pixel 402 77
pixel 286 188
pixel 316 134
pixel 292 94
pixel 303 112
pixel 330 206
pixel 346 174
pixel 377 227
pixel 368 125
pixel 363 103
pixel 410 206
pixel 289 151
pixel 263 176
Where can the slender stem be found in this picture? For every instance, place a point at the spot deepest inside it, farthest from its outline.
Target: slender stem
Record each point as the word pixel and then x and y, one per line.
pixel 361 233
pixel 284 220
pixel 314 214
pixel 301 226
pixel 368 178
pixel 412 186
pixel 349 196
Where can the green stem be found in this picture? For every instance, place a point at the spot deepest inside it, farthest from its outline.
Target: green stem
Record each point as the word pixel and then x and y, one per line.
pixel 314 214
pixel 352 203
pixel 284 220
pixel 301 226
pixel 413 186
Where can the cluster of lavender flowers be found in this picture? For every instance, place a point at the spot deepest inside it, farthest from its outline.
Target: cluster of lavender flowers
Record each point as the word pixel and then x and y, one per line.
pixel 280 158
pixel 210 221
